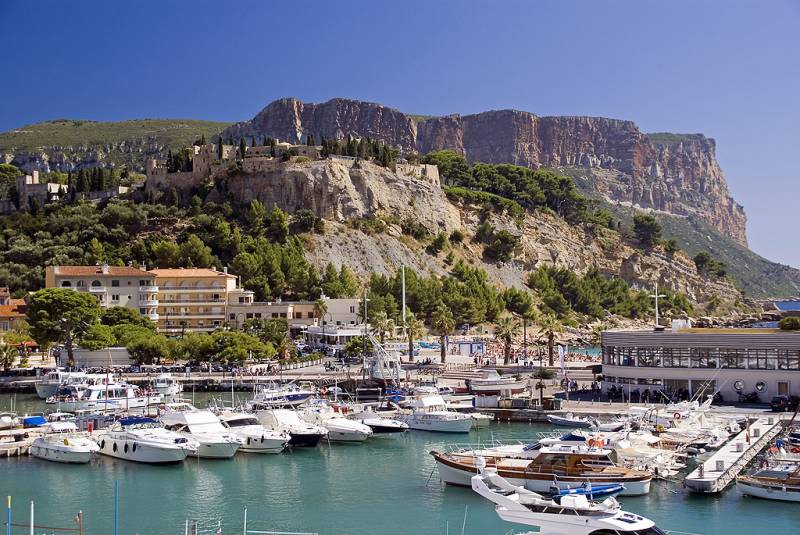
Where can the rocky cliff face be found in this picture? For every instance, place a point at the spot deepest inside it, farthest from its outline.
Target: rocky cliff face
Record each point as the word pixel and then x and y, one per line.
pixel 674 173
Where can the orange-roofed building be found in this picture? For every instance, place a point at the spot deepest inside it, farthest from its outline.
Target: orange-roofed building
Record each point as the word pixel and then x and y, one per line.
pixel 195 299
pixel 12 311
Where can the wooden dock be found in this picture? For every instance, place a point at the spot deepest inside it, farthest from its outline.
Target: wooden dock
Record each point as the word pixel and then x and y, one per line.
pixel 725 464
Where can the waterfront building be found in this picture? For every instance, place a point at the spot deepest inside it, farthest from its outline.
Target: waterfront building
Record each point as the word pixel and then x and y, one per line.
pixel 12 310
pixel 196 299
pixel 299 314
pixel 335 336
pixel 698 361
pixel 125 286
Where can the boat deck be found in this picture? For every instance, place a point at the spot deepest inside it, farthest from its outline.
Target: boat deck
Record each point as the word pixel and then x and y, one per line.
pixel 715 474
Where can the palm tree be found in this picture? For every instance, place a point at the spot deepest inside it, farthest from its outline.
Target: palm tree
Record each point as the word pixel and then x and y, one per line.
pixel 414 329
pixel 8 355
pixel 320 309
pixel 443 323
pixel 381 323
pixel 506 327
pixel 550 326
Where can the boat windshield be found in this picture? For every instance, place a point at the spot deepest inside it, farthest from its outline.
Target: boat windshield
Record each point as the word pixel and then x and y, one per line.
pixel 655 530
pixel 241 422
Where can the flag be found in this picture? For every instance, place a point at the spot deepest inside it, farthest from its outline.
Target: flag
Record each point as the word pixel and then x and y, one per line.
pixel 561 357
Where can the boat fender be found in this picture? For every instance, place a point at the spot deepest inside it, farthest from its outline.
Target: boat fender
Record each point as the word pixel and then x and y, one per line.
pixel 677 416
pixel 795 450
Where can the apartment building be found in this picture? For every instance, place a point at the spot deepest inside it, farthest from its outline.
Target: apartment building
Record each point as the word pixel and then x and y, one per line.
pixel 191 299
pixel 125 286
pixel 12 310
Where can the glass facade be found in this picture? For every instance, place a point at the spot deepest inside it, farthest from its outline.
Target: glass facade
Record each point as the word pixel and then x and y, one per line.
pixel 720 357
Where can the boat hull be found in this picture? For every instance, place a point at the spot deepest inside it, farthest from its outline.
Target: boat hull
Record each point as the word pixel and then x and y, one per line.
pixel 304 440
pixel 461 476
pixel 46 390
pixel 41 450
pixel 215 450
pixel 441 426
pixel 770 492
pixel 143 453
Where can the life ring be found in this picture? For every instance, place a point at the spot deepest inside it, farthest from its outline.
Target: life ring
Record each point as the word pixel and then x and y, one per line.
pixel 677 416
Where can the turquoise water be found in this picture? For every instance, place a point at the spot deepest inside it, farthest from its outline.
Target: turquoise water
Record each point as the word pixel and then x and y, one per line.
pixel 381 486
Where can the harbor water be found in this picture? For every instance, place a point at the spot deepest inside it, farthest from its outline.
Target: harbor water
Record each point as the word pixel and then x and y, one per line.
pixel 385 486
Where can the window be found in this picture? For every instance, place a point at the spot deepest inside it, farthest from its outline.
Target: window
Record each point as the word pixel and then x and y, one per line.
pixel 283 314
pixel 352 310
pixel 298 315
pixel 310 315
pixel 249 315
pixel 115 283
pixel 4 326
pixel 232 316
pixel 274 314
pixel 96 284
pixel 114 297
pixel 66 284
pixel 142 311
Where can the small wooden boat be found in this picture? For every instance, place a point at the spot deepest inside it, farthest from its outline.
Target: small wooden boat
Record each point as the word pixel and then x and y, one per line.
pixel 779 482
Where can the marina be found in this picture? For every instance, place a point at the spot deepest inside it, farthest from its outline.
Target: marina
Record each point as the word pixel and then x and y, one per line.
pixel 302 489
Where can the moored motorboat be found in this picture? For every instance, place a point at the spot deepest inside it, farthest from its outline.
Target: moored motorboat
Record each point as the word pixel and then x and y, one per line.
pixel 64 445
pixel 203 426
pixel 540 469
pixel 301 433
pixel 569 420
pixel 385 426
pixel 254 437
pixel 340 428
pixel 480 420
pixel 144 440
pixel 572 514
pixel 166 385
pixel 492 382
pixel 48 384
pixel 430 414
pixel 277 396
pixel 107 398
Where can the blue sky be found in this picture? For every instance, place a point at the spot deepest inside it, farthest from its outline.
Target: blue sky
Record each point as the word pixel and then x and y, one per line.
pixel 729 69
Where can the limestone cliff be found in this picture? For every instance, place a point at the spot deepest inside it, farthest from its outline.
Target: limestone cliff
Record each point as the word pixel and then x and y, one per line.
pixel 343 193
pixel 674 173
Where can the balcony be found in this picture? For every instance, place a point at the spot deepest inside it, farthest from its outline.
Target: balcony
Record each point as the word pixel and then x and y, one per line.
pixel 146 302
pixel 97 289
pixel 153 317
pixel 148 289
pixel 185 289
pixel 175 317
pixel 198 301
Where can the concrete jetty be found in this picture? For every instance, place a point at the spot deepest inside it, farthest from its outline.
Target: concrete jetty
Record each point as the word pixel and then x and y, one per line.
pixel 726 463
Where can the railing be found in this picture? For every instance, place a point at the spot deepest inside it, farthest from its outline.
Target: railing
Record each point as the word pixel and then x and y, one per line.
pixel 148 289
pixel 191 301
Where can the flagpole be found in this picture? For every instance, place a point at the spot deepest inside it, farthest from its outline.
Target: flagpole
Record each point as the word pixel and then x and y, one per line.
pixel 31 517
pixel 8 525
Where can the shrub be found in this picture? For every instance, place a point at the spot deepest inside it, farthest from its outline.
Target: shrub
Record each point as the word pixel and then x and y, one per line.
pixel 791 323
pixel 456 236
pixel 646 229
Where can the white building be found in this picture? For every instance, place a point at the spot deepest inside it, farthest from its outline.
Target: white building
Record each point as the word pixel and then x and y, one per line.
pixel 734 361
pixel 124 286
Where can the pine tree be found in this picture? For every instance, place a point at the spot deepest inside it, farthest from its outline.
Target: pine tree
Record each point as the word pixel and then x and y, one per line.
pixel 253 141
pixel 266 140
pixel 242 148
pixel 202 139
pixel 219 149
pixel 310 140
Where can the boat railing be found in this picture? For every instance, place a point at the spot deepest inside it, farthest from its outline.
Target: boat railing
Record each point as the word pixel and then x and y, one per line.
pixel 471 446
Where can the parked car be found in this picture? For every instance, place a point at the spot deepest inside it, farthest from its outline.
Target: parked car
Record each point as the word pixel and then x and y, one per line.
pixel 784 403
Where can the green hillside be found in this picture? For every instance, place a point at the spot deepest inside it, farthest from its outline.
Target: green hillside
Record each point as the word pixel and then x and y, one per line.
pixel 756 276
pixel 73 133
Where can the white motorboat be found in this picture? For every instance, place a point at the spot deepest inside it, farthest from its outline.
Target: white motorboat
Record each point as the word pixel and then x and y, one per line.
pixel 277 396
pixel 480 420
pixel 385 426
pixel 103 398
pixel 340 428
pixel 203 426
pixel 64 445
pixel 492 382
pixel 569 420
pixel 47 385
pixel 572 514
pixel 144 440
pixel 430 414
pixel 254 437
pixel 301 433
pixel 166 385
pixel 9 420
pixel 384 365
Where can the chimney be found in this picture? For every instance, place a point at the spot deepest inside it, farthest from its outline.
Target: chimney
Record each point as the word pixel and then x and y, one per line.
pixel 104 268
pixel 225 270
pixel 142 266
pixel 213 268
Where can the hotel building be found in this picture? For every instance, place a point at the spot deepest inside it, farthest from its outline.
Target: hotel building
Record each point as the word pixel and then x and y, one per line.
pixel 733 361
pixel 125 286
pixel 192 299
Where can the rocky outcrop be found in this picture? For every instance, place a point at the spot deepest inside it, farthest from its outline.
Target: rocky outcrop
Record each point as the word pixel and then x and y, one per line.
pixel 289 119
pixel 678 174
